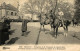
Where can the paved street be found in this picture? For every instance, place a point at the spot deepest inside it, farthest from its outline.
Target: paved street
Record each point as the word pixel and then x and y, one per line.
pixel 44 37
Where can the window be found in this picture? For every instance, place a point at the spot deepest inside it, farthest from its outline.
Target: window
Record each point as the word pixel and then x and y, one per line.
pixel 11 13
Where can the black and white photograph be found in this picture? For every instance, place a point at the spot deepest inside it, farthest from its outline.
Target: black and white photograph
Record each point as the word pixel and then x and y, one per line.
pixel 40 22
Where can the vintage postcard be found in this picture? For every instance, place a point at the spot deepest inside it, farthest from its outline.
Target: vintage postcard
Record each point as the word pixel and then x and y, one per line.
pixel 39 25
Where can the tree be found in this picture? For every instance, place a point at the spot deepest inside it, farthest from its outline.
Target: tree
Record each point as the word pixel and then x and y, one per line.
pixel 66 8
pixel 77 12
pixel 38 7
pixel 29 7
pixel 42 7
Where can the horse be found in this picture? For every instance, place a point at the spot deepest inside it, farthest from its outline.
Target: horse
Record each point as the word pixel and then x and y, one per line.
pixel 75 22
pixel 56 25
pixel 44 20
pixel 66 24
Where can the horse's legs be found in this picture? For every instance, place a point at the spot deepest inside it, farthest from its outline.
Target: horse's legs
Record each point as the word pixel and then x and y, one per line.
pixel 43 28
pixel 65 30
pixel 56 31
pixel 51 28
pixel 73 23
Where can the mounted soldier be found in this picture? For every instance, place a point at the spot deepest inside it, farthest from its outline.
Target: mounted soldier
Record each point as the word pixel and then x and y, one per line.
pixel 60 17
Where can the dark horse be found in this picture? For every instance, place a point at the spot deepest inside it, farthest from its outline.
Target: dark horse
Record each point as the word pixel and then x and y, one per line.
pixel 56 25
pixel 75 22
pixel 44 20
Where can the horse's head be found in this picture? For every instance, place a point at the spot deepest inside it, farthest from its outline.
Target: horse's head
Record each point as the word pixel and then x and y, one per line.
pixel 67 22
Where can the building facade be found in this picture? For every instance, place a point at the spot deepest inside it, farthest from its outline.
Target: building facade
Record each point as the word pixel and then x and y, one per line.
pixel 8 11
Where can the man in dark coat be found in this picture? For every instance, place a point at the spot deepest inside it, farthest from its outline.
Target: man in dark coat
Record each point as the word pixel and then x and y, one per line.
pixel 24 27
pixel 8 23
pixel 3 33
pixel 2 38
pixel 6 29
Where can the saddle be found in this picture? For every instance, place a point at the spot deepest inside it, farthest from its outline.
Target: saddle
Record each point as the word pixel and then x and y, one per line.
pixel 60 23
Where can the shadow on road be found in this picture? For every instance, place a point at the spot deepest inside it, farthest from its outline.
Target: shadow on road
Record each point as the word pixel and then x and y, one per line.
pixel 11 32
pixel 76 35
pixel 26 33
pixel 52 33
pixel 44 29
pixel 12 41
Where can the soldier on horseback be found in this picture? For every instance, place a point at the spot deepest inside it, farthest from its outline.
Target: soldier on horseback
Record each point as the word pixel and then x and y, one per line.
pixel 60 16
pixel 63 22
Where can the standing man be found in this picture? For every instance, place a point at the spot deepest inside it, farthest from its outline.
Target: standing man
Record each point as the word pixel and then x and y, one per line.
pixel 3 31
pixel 2 41
pixel 2 35
pixel 24 27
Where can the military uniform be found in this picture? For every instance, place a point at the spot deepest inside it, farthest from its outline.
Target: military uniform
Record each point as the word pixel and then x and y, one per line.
pixel 60 16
